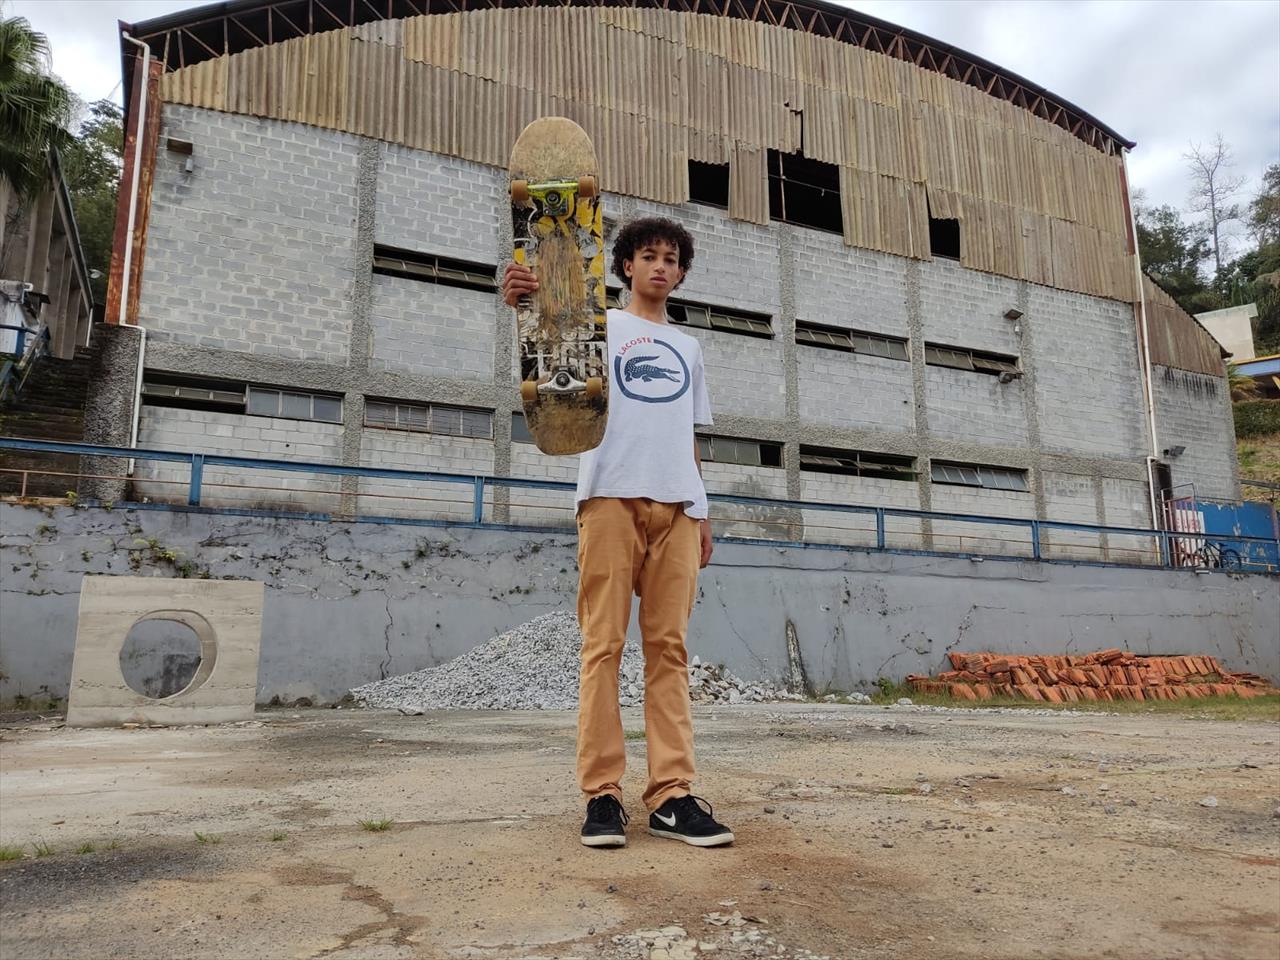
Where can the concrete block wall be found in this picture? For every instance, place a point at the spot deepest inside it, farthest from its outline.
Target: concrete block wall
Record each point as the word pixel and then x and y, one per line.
pixel 430 330
pixel 854 391
pixel 1088 380
pixel 744 373
pixel 434 204
pixel 254 250
pixel 409 450
pixel 842 286
pixel 542 507
pixel 965 308
pixel 236 435
pixel 1071 498
pixel 975 407
pixel 1193 411
pixel 293 241
pixel 749 520
pixel 981 538
pixel 1127 503
pixel 859 529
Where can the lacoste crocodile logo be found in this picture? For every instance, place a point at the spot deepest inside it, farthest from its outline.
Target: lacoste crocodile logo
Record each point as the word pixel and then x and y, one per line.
pixel 642 368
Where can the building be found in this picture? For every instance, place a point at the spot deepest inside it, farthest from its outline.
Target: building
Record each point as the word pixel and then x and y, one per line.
pixel 1233 328
pixel 916 283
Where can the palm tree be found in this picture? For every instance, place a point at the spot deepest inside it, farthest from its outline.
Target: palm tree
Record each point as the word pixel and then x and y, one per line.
pixel 1242 386
pixel 35 108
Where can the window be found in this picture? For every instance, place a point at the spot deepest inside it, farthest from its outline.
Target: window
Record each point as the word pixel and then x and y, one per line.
pixel 164 390
pixel 976 360
pixel 944 238
pixel 857 463
pixel 753 453
pixel 709 183
pixel 976 475
pixel 520 429
pixel 291 405
pixel 429 418
pixel 719 318
pixel 689 314
pixel 851 341
pixel 804 192
pixel 390 262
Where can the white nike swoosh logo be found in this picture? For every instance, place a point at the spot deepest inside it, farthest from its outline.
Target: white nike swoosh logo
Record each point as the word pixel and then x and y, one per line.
pixel 669 823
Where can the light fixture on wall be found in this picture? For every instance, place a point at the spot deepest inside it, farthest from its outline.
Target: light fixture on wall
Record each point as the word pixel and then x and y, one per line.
pixel 1171 452
pixel 1013 313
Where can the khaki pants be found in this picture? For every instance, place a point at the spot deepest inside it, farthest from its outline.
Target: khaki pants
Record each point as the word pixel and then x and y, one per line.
pixel 653 550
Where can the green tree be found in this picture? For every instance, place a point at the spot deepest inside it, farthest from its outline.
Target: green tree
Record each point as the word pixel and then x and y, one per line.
pixel 35 107
pixel 1264 211
pixel 1172 252
pixel 91 165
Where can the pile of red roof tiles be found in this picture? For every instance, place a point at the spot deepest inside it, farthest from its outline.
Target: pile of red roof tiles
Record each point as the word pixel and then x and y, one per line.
pixel 1105 675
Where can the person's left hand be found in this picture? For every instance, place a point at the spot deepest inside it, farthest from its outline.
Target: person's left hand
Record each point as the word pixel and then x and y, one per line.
pixel 704 528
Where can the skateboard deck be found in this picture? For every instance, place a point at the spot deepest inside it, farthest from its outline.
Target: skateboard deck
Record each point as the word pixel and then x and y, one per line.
pixel 557 231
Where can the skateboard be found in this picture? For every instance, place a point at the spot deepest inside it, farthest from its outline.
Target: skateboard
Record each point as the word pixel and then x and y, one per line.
pixel 557 231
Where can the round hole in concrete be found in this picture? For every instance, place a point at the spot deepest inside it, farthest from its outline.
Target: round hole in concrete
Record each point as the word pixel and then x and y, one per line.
pixel 168 653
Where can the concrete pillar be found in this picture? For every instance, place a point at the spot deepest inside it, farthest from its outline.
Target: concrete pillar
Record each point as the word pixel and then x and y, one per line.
pixel 40 232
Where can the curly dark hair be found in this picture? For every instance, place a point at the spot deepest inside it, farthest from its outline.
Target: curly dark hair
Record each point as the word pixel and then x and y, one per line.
pixel 639 233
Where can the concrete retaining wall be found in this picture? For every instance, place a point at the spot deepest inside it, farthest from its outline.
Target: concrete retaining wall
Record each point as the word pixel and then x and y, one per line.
pixel 349 603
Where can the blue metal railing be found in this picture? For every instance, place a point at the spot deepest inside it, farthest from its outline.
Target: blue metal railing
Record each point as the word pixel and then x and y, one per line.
pixel 1260 547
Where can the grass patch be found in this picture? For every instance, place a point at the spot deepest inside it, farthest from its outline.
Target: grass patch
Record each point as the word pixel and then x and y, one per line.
pixel 633 735
pixel 42 849
pixel 86 848
pixel 376 826
pixel 207 837
pixel 9 852
pixel 1209 708
pixel 278 836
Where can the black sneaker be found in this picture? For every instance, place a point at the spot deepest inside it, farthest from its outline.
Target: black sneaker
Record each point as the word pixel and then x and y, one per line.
pixel 682 818
pixel 606 822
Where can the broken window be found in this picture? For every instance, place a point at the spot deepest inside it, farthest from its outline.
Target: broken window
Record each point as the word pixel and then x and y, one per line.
pixel 390 262
pixel 857 463
pixel 193 393
pixel 851 341
pixel 709 183
pixel 978 361
pixel 944 238
pixel 804 192
pixel 752 453
pixel 449 421
pixel 294 405
pixel 979 475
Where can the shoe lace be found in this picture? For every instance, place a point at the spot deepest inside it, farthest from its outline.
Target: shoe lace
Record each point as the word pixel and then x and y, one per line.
pixel 691 809
pixel 604 808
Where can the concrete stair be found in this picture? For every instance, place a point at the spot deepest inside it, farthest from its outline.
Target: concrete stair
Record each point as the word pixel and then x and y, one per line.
pixel 50 407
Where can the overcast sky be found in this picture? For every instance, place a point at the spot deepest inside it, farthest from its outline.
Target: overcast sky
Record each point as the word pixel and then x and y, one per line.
pixel 1161 72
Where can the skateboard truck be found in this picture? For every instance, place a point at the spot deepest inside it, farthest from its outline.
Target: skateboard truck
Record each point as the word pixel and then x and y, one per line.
pixel 561 382
pixel 556 196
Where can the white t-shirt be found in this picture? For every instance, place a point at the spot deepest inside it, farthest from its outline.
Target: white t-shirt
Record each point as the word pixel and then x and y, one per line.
pixel 657 393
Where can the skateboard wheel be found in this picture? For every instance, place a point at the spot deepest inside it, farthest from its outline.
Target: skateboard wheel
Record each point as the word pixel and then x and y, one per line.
pixel 528 391
pixel 587 187
pixel 595 388
pixel 519 191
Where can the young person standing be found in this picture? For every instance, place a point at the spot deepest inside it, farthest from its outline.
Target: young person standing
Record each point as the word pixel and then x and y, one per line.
pixel 642 529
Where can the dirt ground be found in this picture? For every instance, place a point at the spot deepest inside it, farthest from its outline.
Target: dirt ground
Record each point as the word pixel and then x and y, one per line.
pixel 899 832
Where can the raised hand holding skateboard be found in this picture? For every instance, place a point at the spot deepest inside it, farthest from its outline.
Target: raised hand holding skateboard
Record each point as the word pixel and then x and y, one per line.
pixel 557 229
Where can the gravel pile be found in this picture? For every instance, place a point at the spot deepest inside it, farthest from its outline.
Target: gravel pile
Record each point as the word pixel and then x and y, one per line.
pixel 535 667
